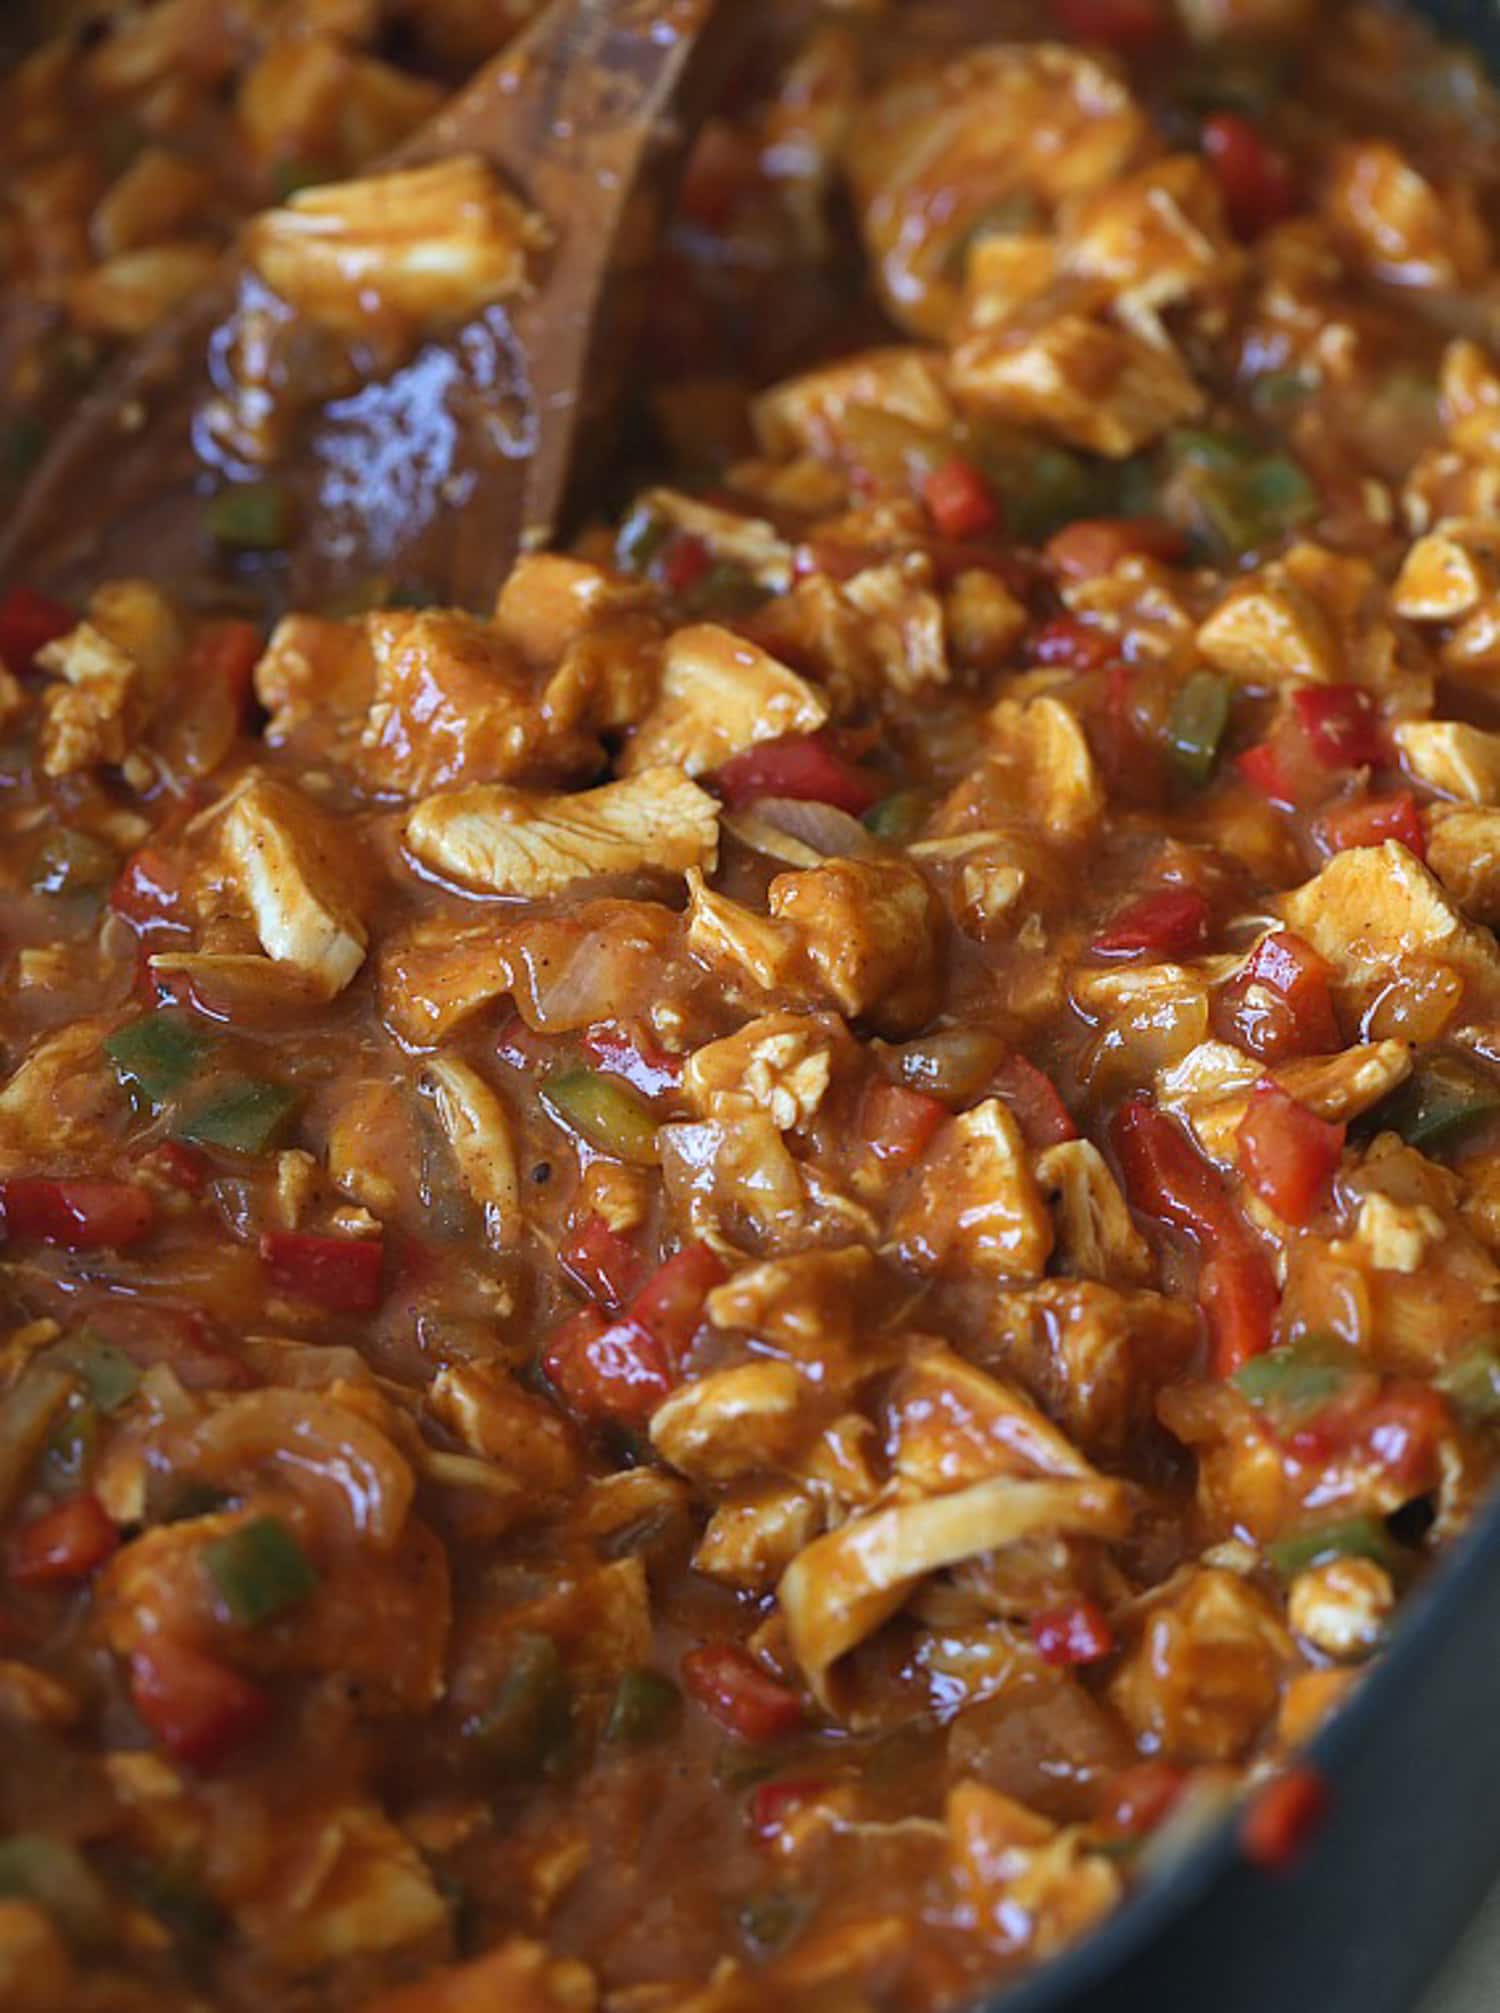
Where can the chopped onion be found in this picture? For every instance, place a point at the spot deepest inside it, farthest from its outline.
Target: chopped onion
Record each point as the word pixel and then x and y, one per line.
pixel 822 828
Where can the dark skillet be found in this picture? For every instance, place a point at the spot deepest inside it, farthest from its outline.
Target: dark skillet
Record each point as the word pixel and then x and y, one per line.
pixel 1411 1842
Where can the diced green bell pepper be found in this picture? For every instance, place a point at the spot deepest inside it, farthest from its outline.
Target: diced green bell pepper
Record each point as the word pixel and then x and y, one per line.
pixel 156 1055
pixel 605 1113
pixel 251 517
pixel 769 1921
pixel 898 817
pixel 72 1445
pixel 531 1720
pixel 641 537
pixel 247 1117
pixel 1471 1384
pixel 1345 1538
pixel 1441 1103
pixel 646 1706
pixel 1299 1377
pixel 57 1877
pixel 259 1571
pixel 1195 727
pixel 112 1380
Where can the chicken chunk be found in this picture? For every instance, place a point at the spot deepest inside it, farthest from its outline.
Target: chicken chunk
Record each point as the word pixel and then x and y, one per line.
pixel 805 414
pixel 1398 225
pixel 1312 614
pixel 518 1975
pixel 1206 1673
pixel 1098 387
pixel 1374 908
pixel 1028 1884
pixel 424 246
pixel 870 931
pixel 719 695
pixel 978 1206
pixel 1036 765
pixel 478 1132
pixel 1463 850
pixel 1342 1607
pixel 505 842
pixel 1096 1237
pixel 1451 756
pixel 348 1885
pixel 1095 1356
pixel 733 1423
pixel 781 1063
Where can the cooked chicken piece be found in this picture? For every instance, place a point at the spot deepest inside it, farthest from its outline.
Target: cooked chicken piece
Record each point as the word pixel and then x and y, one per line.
pixel 901 623
pixel 1312 614
pixel 348 1885
pixel 949 1423
pixel 984 620
pixel 370 1142
pixel 1157 238
pixel 733 1423
pixel 815 1306
pixel 505 842
pixel 1210 1088
pixel 1342 1607
pixel 93 716
pixel 1397 225
pixel 1014 122
pixel 1035 765
pixel 1026 1883
pixel 870 931
pixel 730 1175
pixel 313 96
pixel 474 1120
pixel 59 1099
pixel 1096 1237
pixel 36 1971
pixel 719 695
pixel 1460 475
pixel 1149 1017
pixel 1463 850
pixel 751 1539
pixel 781 1063
pixel 1098 387
pixel 1373 908
pixel 846 1584
pixel 1095 1357
pixel 1448 574
pixel 453 702
pixel 316 678
pixel 752 951
pixel 499 1421
pixel 977 1206
pixel 748 543
pixel 425 246
pixel 287 860
pixel 805 414
pixel 1205 1675
pixel 1451 756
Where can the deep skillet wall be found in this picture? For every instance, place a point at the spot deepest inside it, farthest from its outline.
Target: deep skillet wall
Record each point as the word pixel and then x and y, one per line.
pixel 1412 1843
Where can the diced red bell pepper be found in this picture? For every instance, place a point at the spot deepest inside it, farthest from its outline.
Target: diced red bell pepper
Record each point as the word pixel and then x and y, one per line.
pixel 802 766
pixel 1281 1004
pixel 198 1708
pixel 1370 821
pixel 1167 921
pixel 1401 1428
pixel 900 1123
pixel 1140 1797
pixel 1034 1103
pixel 685 561
pixel 1115 24
pixel 1096 545
pixel 83 1215
pixel 65 1543
pixel 606 1265
pixel 1240 1300
pixel 772 1803
pixel 148 890
pixel 1067 641
pixel 1286 1152
pixel 959 500
pixel 626 1050
pixel 343 1274
pixel 670 1304
pixel 608 1370
pixel 733 1689
pixel 1076 1633
pixel 1264 770
pixel 228 651
pixel 1282 1818
pixel 1165 1177
pixel 1256 178
pixel 28 622
pixel 1340 723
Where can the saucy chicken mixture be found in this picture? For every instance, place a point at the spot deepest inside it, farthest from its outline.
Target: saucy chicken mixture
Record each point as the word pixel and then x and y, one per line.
pixel 730 1285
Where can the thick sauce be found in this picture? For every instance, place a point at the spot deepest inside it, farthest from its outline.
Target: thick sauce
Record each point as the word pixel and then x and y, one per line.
pixel 726 1286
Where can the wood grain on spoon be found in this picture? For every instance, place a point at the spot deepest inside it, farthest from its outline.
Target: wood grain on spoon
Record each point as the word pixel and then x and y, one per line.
pixel 429 465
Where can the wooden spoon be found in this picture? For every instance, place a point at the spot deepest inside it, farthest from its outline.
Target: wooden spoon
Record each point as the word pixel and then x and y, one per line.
pixel 434 475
